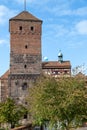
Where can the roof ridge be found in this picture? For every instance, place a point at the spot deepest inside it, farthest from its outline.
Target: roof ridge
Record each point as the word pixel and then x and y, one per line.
pixel 25 15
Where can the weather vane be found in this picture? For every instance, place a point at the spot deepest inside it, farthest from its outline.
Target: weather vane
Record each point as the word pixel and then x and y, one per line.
pixel 25 5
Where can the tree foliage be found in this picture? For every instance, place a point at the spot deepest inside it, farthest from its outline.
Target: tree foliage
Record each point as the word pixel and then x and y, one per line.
pixel 10 112
pixel 62 102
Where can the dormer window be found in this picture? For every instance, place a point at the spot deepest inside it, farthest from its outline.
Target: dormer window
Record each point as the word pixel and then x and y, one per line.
pixel 20 28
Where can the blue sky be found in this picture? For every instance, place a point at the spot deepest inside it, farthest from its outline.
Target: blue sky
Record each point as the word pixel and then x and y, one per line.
pixel 64 28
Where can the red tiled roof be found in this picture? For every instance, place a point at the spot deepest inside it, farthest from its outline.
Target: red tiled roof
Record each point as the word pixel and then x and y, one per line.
pixel 56 64
pixel 5 75
pixel 25 15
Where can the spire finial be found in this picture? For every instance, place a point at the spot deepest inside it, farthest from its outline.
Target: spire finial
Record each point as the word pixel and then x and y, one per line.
pixel 60 56
pixel 25 5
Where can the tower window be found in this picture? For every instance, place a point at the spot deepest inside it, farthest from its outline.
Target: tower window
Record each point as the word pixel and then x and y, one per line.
pixel 26 46
pixel 20 28
pixel 25 66
pixel 16 82
pixel 25 115
pixel 32 28
pixel 24 86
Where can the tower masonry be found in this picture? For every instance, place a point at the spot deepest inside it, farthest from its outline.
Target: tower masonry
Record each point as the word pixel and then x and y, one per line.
pixel 26 58
pixel 25 53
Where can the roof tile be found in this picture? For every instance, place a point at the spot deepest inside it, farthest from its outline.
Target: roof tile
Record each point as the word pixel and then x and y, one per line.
pixel 56 64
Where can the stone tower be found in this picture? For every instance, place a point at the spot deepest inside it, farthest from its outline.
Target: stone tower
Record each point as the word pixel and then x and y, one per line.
pixel 25 53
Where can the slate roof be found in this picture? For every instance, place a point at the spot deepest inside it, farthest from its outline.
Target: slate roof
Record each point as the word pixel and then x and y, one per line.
pixel 56 64
pixel 25 15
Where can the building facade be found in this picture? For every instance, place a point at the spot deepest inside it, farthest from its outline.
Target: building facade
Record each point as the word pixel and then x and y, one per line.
pixel 25 55
pixel 26 58
pixel 57 68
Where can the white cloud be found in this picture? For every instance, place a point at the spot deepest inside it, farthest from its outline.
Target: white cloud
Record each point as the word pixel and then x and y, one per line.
pixel 55 30
pixel 81 11
pixel 58 7
pixel 65 9
pixel 75 44
pixel 5 14
pixel 81 27
pixel 2 41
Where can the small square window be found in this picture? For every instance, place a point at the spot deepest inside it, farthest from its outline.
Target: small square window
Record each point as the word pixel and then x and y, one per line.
pixel 32 28
pixel 16 82
pixel 20 28
pixel 25 66
pixel 25 116
pixel 26 46
pixel 24 86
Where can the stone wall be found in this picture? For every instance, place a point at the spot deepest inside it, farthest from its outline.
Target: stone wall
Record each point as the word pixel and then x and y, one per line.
pixel 25 54
pixel 3 89
pixel 19 85
pixel 25 57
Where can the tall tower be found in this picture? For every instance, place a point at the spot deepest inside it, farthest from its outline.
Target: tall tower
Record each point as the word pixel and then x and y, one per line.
pixel 25 53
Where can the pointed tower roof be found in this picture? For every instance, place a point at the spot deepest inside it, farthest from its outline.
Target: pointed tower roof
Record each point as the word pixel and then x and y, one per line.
pixel 25 15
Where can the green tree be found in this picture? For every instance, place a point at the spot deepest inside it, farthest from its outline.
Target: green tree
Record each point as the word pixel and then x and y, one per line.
pixel 10 112
pixel 62 102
